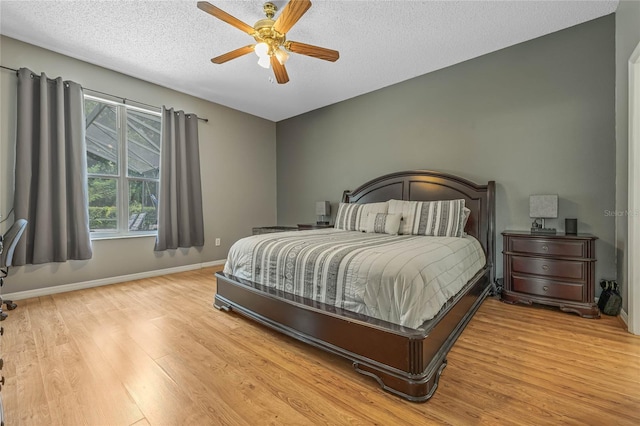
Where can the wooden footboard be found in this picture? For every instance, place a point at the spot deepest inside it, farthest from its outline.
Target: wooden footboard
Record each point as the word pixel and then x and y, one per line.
pixel 404 361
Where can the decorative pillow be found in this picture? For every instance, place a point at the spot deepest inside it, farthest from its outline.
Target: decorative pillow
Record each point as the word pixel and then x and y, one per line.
pixel 406 209
pixel 435 218
pixel 467 213
pixel 383 223
pixel 353 217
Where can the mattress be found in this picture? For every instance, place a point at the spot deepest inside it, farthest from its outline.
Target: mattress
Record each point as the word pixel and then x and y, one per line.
pixel 403 279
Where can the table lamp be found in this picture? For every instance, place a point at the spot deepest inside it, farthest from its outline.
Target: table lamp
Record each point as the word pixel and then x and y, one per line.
pixel 542 207
pixel 323 209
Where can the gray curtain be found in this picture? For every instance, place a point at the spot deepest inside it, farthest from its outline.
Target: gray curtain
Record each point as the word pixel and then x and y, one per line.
pixel 51 171
pixel 180 221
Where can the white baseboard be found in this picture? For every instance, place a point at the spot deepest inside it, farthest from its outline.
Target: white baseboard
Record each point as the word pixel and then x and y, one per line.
pixel 624 317
pixel 212 263
pixel 20 295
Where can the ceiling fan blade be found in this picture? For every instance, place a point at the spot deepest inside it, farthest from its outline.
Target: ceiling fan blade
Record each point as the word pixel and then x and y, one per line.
pixel 222 15
pixel 279 70
pixel 233 54
pixel 314 51
pixel 290 15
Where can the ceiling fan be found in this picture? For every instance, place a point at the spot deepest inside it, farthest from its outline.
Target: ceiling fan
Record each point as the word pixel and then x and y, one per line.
pixel 271 42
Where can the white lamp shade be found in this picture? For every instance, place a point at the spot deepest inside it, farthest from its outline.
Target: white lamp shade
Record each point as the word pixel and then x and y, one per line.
pixel 543 206
pixel 262 50
pixel 264 61
pixel 323 208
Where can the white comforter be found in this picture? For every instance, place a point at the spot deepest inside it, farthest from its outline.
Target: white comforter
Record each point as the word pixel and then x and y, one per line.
pixel 403 279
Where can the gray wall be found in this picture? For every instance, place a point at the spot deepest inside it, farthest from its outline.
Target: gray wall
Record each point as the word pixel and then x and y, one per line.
pixel 238 162
pixel 537 118
pixel 627 38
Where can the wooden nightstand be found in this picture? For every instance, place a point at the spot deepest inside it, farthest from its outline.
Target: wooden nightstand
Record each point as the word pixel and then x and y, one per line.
pixel 270 229
pixel 302 226
pixel 556 270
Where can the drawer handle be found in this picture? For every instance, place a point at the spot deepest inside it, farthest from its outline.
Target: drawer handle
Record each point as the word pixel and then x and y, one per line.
pixel 545 288
pixel 545 248
pixel 545 267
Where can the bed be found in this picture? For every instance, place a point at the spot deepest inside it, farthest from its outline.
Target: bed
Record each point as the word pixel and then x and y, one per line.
pixel 406 358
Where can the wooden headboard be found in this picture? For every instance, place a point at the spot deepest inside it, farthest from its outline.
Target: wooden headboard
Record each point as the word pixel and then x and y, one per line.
pixel 425 185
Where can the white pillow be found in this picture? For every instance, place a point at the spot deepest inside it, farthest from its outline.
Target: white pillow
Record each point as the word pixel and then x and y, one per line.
pixel 406 209
pixel 467 213
pixel 434 218
pixel 383 223
pixel 353 217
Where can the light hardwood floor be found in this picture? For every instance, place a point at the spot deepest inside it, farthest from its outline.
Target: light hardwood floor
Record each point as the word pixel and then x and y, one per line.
pixel 155 352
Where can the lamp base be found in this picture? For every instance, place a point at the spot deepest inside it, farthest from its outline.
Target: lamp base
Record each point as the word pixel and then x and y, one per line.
pixel 548 231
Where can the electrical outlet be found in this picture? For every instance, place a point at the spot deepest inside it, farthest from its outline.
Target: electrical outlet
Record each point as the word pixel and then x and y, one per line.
pixel 217 241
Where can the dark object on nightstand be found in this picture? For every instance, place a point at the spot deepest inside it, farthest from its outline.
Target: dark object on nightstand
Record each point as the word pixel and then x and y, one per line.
pixel 314 225
pixel 571 226
pixel 556 270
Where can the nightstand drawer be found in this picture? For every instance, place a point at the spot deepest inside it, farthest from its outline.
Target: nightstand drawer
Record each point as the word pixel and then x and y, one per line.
pixel 549 247
pixel 548 267
pixel 548 288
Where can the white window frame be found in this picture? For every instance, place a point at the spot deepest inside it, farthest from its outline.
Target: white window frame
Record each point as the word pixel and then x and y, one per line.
pixel 122 178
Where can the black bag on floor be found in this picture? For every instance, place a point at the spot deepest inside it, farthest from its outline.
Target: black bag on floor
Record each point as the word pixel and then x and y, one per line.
pixel 610 300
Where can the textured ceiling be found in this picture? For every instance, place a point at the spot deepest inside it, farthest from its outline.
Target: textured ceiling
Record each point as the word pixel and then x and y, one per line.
pixel 380 42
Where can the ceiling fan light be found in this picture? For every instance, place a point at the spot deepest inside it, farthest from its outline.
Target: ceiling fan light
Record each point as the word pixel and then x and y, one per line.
pixel 262 50
pixel 282 56
pixel 264 61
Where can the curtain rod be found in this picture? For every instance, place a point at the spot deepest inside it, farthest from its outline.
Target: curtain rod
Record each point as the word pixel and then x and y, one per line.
pixel 124 100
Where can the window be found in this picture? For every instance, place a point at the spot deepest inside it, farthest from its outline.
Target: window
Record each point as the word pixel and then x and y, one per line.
pixel 123 167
